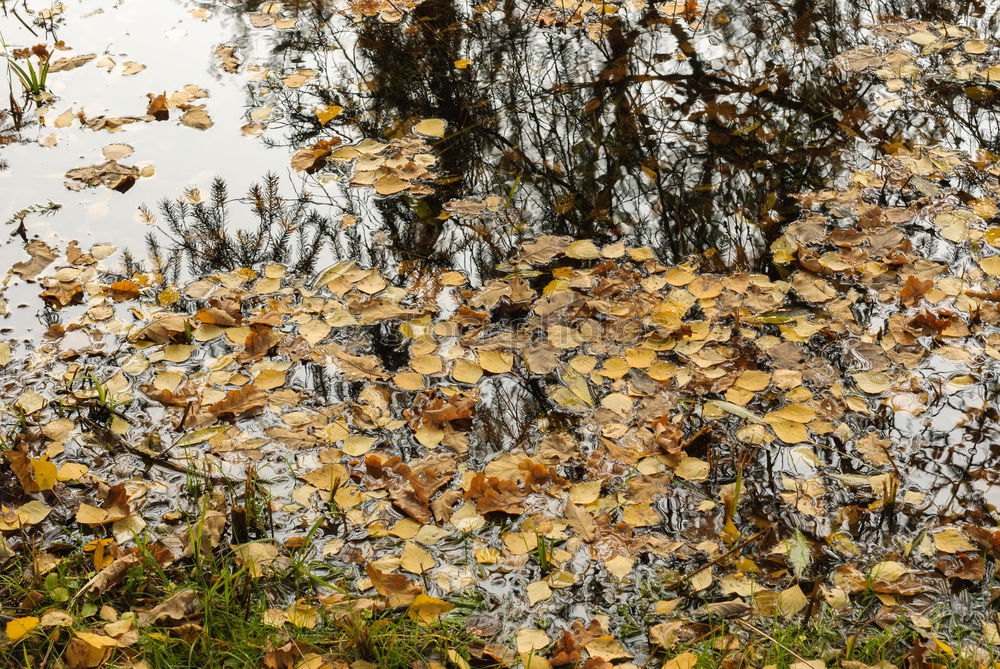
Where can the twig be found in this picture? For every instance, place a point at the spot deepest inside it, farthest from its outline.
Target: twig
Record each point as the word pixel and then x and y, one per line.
pixel 152 459
pixel 772 640
pixel 739 546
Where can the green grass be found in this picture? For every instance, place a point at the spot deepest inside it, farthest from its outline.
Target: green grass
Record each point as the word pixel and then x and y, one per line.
pixel 838 640
pixel 229 632
pixel 33 81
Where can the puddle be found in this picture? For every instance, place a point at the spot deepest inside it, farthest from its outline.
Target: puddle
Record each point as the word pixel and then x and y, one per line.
pixel 703 298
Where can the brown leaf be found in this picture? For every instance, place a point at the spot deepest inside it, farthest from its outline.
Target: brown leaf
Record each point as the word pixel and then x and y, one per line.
pixel 164 329
pixel 205 535
pixel 313 158
pixel 197 118
pixel 112 174
pixel 182 604
pixel 26 474
pixel 59 294
pixel 216 316
pixel 238 403
pixel 113 574
pixel 42 256
pixel 581 521
pixel 258 343
pixel 396 588
pixel 913 289
pixel 962 566
pixel 565 651
pixel 493 494
pixel 734 608
pixel 65 64
pixel 227 57
pixel 157 107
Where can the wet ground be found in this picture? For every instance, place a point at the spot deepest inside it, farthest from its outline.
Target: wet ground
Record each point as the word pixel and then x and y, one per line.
pixel 701 297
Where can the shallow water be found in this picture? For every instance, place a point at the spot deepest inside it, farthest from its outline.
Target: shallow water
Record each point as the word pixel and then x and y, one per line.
pixel 636 131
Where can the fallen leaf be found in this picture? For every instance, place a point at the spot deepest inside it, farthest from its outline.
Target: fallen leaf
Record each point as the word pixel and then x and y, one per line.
pixel 256 556
pixel 197 118
pixel 18 628
pixel 426 609
pixel 432 127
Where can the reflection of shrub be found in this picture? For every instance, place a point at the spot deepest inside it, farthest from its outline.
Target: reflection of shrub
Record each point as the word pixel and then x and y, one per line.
pixel 199 233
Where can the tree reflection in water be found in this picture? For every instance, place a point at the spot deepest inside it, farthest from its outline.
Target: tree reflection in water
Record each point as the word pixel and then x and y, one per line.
pixel 688 129
pixel 685 127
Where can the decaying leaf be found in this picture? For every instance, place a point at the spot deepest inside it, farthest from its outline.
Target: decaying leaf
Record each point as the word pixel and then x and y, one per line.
pixel 111 174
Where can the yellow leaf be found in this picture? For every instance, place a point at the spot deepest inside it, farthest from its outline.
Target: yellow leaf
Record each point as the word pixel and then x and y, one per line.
pixel 943 646
pixel 91 515
pixel 269 379
pixel 415 559
pixel 496 362
pixel 427 609
pixel 301 614
pixel 583 249
pixel 789 432
pixel 466 371
pixel 409 380
pixel 199 436
pixel 326 113
pixel 874 383
pixel 426 364
pixel 256 556
pixel 791 601
pixel 586 492
pixel 429 435
pixel 452 279
pixel 578 385
pixel 462 63
pixel 31 402
pixel 538 591
pixel 96 640
pixel 753 380
pixel 619 566
pixel 888 571
pixel 314 331
pixel 692 469
pixel 432 127
pixel 975 47
pixel 31 513
pixel 640 358
pixel 44 472
pixel 952 540
pixel 531 639
pixel 18 628
pixel 991 266
pixel 390 184
pixel 72 471
pixel 796 412
pixel 607 648
pixel 357 445
pixel 682 661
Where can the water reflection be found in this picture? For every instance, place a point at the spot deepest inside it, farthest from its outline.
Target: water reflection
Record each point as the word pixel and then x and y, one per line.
pixel 681 126
pixel 686 127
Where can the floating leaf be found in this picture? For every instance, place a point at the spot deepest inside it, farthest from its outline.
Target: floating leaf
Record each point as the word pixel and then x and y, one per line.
pixel 799 553
pixel 326 113
pixel 432 127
